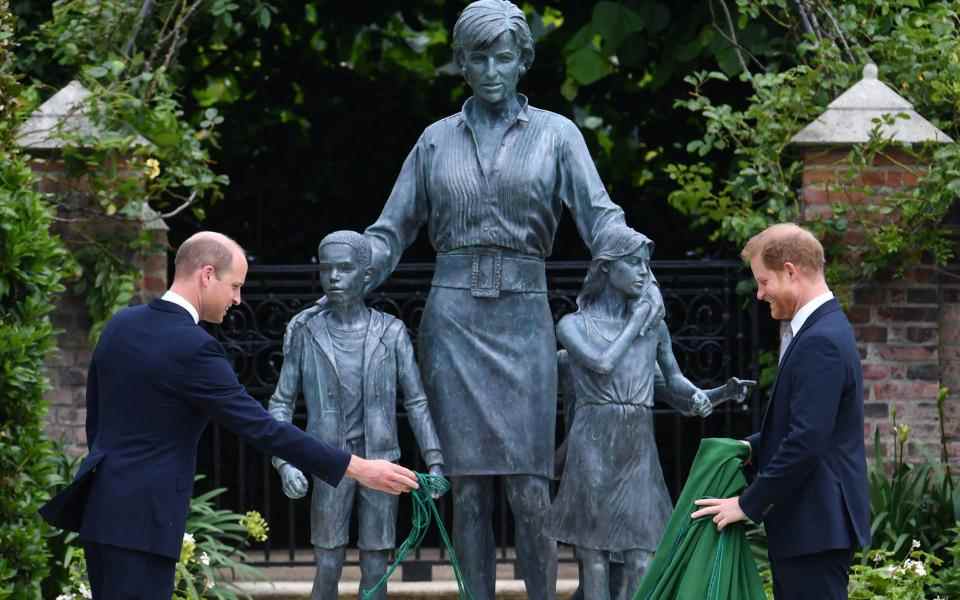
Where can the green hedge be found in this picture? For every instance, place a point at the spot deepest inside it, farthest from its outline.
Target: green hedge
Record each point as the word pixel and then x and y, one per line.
pixel 33 262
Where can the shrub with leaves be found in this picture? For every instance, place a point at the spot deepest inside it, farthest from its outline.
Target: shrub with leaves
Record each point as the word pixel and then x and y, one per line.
pixel 61 545
pixel 912 501
pixel 948 585
pixel 33 265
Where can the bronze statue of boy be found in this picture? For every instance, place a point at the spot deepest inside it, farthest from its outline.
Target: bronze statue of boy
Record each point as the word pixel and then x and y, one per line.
pixel 348 361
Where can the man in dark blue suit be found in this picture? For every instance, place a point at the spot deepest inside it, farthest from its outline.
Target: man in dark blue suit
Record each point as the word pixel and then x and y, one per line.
pixel 155 381
pixel 810 489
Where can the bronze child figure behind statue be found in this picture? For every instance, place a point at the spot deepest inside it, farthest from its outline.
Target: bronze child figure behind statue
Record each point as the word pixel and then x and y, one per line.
pixel 612 495
pixel 348 361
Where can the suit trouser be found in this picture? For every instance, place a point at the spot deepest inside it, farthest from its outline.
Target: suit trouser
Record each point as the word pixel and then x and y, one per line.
pixel 820 576
pixel 123 574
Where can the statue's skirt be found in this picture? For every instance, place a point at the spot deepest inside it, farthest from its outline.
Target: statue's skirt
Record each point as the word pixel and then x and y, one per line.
pixel 612 495
pixel 489 368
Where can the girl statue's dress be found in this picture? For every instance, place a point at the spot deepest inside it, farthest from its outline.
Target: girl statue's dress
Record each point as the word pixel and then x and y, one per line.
pixel 612 495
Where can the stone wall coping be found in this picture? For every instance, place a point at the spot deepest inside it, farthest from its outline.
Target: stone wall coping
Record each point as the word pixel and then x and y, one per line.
pixel 851 117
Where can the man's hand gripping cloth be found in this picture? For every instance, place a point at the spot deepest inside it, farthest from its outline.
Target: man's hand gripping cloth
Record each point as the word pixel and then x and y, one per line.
pixel 694 560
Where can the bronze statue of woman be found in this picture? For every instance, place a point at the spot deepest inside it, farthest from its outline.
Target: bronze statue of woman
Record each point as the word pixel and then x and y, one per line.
pixel 490 183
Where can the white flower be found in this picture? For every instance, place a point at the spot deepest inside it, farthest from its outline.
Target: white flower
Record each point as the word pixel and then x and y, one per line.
pixel 914 565
pixel 84 591
pixel 209 584
pixel 188 538
pixel 204 559
pixel 915 544
pixel 65 597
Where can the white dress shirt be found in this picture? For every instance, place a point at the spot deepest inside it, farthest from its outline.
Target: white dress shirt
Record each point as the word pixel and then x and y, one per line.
pixel 172 296
pixel 804 313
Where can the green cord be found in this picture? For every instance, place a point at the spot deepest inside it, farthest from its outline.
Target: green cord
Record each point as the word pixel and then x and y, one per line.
pixel 424 510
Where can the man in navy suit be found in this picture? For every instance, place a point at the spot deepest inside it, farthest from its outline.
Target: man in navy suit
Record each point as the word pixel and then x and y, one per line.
pixel 155 381
pixel 810 489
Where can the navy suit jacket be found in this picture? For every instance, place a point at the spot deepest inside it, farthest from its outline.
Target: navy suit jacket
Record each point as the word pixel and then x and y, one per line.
pixel 811 485
pixel 155 381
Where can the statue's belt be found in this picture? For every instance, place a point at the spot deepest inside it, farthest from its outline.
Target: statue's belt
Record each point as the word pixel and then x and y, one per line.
pixel 486 272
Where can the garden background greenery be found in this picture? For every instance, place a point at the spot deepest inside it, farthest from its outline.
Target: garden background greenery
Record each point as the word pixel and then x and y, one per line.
pixel 278 121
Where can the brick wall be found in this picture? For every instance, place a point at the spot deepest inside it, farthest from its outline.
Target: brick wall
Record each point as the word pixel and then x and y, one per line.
pixel 908 330
pixel 67 367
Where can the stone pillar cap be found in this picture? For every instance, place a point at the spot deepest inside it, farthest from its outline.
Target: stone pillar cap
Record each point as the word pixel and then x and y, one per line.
pixel 63 113
pixel 152 221
pixel 851 116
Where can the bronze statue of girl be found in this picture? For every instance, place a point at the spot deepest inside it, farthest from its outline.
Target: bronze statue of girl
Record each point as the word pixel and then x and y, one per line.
pixel 612 495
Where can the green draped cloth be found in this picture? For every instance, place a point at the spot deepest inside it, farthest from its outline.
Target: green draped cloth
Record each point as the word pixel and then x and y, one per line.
pixel 694 561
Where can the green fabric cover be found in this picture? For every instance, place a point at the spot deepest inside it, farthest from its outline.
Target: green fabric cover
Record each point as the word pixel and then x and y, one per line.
pixel 694 561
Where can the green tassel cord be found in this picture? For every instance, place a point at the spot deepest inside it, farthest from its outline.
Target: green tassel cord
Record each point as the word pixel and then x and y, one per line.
pixel 424 510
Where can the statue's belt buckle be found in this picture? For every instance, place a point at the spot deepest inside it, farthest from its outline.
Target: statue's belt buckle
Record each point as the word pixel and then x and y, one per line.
pixel 487 275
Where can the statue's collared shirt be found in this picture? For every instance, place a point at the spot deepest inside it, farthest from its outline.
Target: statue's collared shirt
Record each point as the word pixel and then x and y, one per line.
pixel 541 166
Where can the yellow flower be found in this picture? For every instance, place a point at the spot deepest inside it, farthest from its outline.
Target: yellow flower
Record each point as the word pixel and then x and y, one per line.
pixel 152 168
pixel 256 527
pixel 903 433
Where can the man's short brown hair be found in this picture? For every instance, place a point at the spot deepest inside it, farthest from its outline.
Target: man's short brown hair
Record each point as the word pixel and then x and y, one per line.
pixel 205 248
pixel 786 243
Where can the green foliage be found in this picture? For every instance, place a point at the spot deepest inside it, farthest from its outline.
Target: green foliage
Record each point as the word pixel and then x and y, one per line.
pixel 144 149
pixel 33 264
pixel 211 547
pixel 917 46
pixel 883 578
pixel 62 545
pixel 949 576
pixel 912 502
pixel 110 286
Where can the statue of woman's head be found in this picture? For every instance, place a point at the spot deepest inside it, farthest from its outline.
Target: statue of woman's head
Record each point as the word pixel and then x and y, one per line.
pixel 486 25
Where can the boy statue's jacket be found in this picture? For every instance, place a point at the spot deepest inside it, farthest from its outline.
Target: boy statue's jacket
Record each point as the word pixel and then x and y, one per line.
pixel 310 366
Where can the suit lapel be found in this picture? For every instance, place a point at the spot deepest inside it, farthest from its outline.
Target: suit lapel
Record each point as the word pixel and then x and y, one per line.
pixel 318 328
pixel 824 309
pixel 375 331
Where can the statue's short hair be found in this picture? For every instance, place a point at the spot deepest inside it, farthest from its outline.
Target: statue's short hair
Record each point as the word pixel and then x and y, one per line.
pixel 205 248
pixel 783 243
pixel 360 244
pixel 483 21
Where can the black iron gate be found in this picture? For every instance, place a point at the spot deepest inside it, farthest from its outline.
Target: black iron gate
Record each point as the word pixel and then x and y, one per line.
pixel 713 330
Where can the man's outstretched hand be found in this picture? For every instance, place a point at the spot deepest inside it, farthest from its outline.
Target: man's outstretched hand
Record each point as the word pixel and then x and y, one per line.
pixel 382 475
